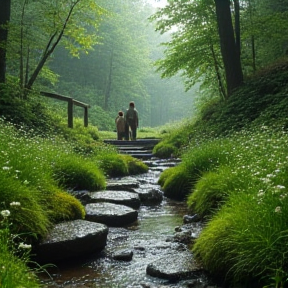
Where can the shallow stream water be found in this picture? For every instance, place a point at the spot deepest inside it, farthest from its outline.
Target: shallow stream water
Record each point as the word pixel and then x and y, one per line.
pixel 148 238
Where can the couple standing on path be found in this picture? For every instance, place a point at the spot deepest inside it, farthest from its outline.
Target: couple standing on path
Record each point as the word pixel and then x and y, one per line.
pixel 127 124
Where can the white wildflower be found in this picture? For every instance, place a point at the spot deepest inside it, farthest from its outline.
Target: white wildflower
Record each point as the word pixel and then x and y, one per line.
pixel 26 182
pixel 5 213
pixel 24 246
pixel 280 187
pixel 6 168
pixel 260 193
pixel 278 209
pixel 15 204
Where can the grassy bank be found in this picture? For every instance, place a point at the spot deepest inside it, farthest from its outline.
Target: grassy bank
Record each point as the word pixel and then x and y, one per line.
pixel 234 175
pixel 37 172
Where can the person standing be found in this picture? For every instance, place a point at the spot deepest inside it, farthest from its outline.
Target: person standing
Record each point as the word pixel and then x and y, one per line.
pixel 120 125
pixel 131 118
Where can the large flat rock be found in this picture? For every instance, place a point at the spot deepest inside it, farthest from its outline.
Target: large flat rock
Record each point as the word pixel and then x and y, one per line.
pixel 72 239
pixel 111 214
pixel 117 197
pixel 123 184
pixel 176 266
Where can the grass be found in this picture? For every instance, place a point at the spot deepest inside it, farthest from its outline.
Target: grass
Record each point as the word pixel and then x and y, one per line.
pixel 37 171
pixel 242 195
pixel 234 174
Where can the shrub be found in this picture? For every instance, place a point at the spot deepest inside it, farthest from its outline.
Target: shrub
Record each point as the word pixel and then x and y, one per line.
pixel 77 173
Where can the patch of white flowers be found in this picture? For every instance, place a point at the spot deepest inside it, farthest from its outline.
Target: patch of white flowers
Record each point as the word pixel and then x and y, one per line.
pixel 5 213
pixel 15 204
pixel 24 246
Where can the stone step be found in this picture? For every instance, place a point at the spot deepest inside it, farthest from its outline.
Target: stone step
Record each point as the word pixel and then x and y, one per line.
pixel 141 148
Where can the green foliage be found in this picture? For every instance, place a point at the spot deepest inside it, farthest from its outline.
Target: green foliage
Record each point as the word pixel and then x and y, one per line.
pixel 211 191
pixel 100 118
pixel 246 235
pixel 31 113
pixel 175 137
pixel 14 268
pixel 62 207
pixel 177 182
pixel 117 165
pixel 77 173
pixel 195 162
pixel 163 150
pixel 135 166
pixel 77 21
pixel 26 175
pixel 192 52
pixel 112 164
pixel 31 215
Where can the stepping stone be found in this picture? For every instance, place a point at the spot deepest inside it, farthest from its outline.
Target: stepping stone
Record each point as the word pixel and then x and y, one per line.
pixel 149 196
pixel 117 197
pixel 70 240
pixel 111 214
pixel 123 255
pixel 126 184
pixel 179 265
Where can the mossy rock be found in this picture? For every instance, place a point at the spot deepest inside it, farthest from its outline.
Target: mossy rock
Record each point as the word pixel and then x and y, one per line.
pixel 62 207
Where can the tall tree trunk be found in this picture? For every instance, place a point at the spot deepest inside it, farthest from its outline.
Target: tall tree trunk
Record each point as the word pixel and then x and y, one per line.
pixel 237 27
pixel 251 10
pixel 231 58
pixel 5 8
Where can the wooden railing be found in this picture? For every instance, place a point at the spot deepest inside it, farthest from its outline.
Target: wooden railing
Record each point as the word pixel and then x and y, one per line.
pixel 70 102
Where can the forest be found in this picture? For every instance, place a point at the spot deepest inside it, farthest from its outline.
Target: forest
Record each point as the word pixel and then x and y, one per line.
pixel 208 78
pixel 99 53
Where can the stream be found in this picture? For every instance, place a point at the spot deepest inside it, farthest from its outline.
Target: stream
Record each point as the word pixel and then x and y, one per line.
pixel 149 239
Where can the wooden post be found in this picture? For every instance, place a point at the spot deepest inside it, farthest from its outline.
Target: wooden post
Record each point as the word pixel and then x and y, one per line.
pixel 70 102
pixel 70 113
pixel 86 116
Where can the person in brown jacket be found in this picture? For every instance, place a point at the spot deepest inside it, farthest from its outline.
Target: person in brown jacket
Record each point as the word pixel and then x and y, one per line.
pixel 131 118
pixel 120 125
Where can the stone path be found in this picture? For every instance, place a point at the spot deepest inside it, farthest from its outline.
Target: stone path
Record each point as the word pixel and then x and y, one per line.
pixel 141 148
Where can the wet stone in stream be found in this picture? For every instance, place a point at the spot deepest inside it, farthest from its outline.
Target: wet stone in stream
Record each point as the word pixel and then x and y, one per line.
pixel 110 214
pixel 150 240
pixel 117 197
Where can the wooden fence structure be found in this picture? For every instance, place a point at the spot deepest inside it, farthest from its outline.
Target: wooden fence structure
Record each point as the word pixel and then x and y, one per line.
pixel 70 102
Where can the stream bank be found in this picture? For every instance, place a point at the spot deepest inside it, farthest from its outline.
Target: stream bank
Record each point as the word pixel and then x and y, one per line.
pixel 143 254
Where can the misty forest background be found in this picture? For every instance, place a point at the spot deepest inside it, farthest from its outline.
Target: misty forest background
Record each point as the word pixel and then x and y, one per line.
pixel 105 62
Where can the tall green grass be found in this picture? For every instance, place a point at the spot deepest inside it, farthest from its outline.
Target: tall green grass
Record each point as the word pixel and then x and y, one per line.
pixel 246 237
